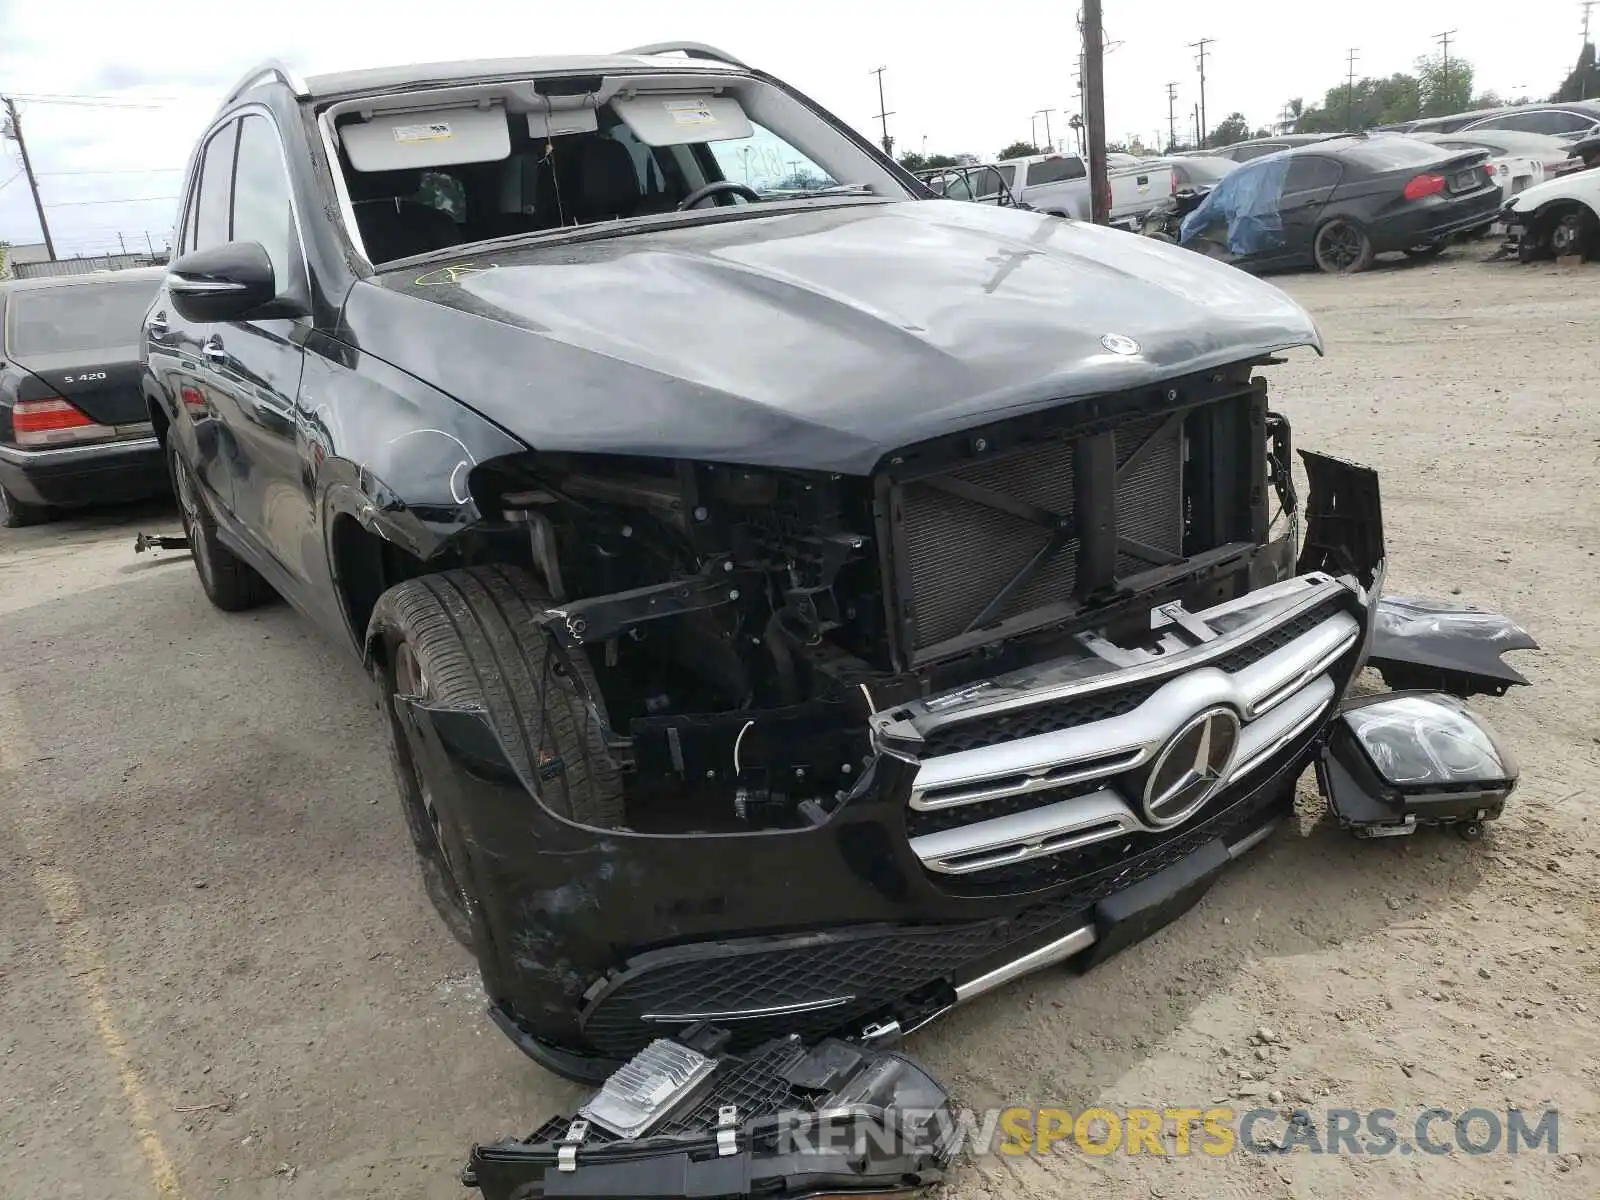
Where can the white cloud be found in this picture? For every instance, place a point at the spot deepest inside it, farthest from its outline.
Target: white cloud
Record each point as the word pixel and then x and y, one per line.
pixel 965 76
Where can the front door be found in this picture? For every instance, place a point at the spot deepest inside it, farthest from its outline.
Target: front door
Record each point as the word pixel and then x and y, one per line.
pixel 1306 191
pixel 174 345
pixel 255 366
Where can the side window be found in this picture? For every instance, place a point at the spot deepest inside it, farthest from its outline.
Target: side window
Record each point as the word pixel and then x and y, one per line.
pixel 986 183
pixel 216 188
pixel 1309 172
pixel 261 209
pixel 1009 174
pixel 1054 170
pixel 958 187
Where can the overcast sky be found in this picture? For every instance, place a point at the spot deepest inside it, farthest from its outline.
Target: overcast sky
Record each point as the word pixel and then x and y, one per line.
pixel 966 76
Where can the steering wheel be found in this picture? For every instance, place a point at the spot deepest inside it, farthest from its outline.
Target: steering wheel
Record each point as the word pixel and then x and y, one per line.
pixel 719 188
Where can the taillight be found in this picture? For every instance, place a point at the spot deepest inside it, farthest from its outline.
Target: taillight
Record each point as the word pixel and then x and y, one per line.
pixel 1423 186
pixel 53 421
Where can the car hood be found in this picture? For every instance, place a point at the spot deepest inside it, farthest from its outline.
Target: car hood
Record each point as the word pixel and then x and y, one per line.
pixel 1579 185
pixel 821 337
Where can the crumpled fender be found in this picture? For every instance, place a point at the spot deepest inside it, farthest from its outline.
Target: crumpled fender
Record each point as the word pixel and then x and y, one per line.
pixel 1454 648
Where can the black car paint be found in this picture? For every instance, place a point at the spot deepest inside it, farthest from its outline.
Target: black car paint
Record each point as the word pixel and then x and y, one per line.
pixel 306 418
pixel 104 384
pixel 821 340
pixel 1369 198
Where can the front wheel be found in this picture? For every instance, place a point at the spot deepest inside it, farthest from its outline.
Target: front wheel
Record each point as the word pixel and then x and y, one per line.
pixel 1342 248
pixel 471 639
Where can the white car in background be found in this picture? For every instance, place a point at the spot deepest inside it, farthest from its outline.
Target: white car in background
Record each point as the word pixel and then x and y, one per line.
pixel 1557 218
pixel 1519 160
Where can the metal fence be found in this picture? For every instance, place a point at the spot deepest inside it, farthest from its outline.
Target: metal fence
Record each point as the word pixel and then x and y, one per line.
pixel 84 266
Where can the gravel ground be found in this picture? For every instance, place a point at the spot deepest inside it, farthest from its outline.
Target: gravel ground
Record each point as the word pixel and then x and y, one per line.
pixel 219 977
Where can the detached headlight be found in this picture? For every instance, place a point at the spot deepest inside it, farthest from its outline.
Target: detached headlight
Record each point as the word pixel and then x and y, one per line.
pixel 1397 761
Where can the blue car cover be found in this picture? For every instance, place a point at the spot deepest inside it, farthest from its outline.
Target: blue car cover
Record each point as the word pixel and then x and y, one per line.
pixel 1248 200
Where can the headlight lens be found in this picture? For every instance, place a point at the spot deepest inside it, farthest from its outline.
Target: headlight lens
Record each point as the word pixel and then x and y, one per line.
pixel 1432 741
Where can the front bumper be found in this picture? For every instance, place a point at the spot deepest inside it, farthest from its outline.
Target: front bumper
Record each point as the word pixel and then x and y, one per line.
pixel 101 472
pixel 998 829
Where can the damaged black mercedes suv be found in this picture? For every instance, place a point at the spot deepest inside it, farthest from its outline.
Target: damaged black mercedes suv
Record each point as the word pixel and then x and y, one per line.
pixel 799 604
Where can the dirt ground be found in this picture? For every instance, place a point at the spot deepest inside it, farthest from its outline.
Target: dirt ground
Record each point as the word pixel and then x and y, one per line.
pixel 219 977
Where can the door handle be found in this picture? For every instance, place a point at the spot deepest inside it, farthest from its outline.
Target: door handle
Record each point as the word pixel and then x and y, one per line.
pixel 214 352
pixel 158 324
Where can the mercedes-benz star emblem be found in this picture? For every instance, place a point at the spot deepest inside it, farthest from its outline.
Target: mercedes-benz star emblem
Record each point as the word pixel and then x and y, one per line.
pixel 1190 767
pixel 1119 343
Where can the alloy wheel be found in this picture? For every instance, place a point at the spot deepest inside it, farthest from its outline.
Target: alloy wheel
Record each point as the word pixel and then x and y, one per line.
pixel 1341 246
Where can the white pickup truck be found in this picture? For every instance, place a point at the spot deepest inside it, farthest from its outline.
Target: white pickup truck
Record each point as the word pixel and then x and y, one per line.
pixel 1059 184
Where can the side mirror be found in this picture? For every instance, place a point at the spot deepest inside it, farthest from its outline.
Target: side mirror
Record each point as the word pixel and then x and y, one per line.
pixel 230 282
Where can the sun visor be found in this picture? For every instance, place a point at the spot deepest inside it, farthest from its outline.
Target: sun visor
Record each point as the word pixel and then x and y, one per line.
pixel 438 137
pixel 680 118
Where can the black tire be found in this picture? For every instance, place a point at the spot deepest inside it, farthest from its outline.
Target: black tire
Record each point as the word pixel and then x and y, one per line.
pixel 471 638
pixel 1162 236
pixel 228 582
pixel 14 514
pixel 1342 247
pixel 1423 253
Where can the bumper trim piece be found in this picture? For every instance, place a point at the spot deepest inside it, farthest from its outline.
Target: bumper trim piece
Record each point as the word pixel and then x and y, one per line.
pixel 1059 950
pixel 19 456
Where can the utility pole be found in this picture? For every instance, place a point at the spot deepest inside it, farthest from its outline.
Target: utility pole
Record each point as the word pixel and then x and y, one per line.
pixel 1586 5
pixel 1201 46
pixel 152 246
pixel 883 112
pixel 1583 76
pixel 1444 42
pixel 1172 115
pixel 1095 111
pixel 1197 144
pixel 1049 138
pixel 1033 131
pixel 1350 91
pixel 14 130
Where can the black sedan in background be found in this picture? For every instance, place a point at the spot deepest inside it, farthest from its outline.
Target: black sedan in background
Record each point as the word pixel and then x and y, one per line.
pixel 74 428
pixel 1339 203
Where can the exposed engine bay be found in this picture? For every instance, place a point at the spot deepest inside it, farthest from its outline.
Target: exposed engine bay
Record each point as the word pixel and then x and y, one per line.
pixel 742 623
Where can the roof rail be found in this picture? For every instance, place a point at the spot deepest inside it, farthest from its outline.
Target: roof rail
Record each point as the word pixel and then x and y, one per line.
pixel 269 70
pixel 687 49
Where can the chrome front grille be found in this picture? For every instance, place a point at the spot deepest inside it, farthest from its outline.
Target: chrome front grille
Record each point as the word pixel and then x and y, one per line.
pixel 1274 659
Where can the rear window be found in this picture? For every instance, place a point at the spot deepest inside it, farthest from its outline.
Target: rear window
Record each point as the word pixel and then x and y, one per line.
pixel 1054 170
pixel 1391 153
pixel 62 319
pixel 1206 170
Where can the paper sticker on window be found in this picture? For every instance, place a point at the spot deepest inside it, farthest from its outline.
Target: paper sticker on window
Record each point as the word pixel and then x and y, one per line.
pixel 432 132
pixel 689 112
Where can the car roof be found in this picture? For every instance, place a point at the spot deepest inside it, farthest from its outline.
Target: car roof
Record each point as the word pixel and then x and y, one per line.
pixel 378 79
pixel 94 277
pixel 1033 158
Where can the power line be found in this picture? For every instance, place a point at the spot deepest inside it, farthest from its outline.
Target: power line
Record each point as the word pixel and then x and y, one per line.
pixel 1201 46
pixel 88 101
pixel 116 171
pixel 120 200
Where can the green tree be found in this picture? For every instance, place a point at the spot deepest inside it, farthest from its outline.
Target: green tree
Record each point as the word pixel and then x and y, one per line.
pixel 1446 87
pixel 1232 128
pixel 1583 82
pixel 1020 150
pixel 912 161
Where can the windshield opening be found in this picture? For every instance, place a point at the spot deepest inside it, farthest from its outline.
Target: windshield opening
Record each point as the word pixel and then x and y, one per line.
pixel 60 320
pixel 523 161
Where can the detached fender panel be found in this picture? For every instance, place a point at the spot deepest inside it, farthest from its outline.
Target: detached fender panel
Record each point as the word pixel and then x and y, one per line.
pixel 1419 643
